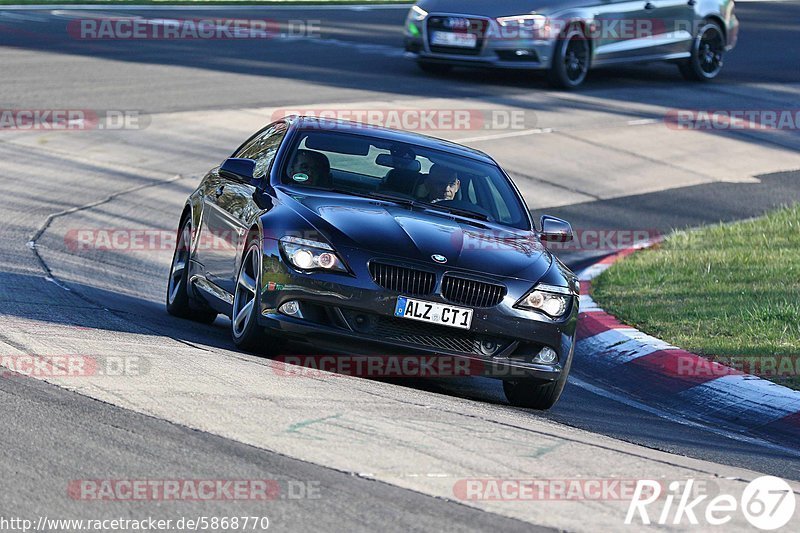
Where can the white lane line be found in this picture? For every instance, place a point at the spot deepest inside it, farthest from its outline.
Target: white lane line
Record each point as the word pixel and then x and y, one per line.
pixel 369 7
pixel 231 6
pixel 25 18
pixel 679 419
pixel 218 7
pixel 644 121
pixel 364 48
pixel 536 131
pixel 66 13
pixel 521 133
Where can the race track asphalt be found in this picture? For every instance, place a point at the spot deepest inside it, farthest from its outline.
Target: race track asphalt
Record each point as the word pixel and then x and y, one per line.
pixel 201 98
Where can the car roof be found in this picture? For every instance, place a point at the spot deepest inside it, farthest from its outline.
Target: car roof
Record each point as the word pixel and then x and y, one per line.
pixel 388 134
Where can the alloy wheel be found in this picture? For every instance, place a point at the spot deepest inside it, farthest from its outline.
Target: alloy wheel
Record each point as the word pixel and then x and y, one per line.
pixel 709 54
pixel 179 262
pixel 246 291
pixel 576 58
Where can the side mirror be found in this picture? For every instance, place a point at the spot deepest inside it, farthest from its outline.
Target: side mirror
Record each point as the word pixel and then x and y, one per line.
pixel 555 230
pixel 239 169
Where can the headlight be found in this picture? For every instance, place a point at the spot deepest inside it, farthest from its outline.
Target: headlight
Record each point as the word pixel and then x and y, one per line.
pixel 417 14
pixel 550 300
pixel 533 22
pixel 311 255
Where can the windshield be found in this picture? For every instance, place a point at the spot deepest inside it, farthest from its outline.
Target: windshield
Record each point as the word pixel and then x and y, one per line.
pixel 409 173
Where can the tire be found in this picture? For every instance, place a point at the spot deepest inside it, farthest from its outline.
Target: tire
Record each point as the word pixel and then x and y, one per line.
pixel 246 333
pixel 708 48
pixel 179 301
pixel 534 394
pixel 436 69
pixel 572 59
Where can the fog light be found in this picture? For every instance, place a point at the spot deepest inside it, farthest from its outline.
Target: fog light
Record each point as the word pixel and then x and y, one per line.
pixel 291 308
pixel 361 322
pixel 546 355
pixel 488 347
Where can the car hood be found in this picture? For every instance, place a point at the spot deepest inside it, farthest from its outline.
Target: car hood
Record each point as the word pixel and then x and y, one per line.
pixel 498 8
pixel 388 229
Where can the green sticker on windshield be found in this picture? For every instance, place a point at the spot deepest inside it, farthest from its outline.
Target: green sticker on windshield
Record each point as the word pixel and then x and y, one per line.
pixel 300 177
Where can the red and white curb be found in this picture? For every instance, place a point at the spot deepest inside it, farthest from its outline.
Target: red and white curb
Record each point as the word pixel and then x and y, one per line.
pixel 679 381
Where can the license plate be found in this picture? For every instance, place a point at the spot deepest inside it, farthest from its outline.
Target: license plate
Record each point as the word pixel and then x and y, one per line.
pixel 447 38
pixel 435 313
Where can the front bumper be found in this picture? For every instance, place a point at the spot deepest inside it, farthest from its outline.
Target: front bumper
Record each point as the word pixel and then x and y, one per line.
pixel 510 55
pixel 732 33
pixel 352 315
pixel 495 46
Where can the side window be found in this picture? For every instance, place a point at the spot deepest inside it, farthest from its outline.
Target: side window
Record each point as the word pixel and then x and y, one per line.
pixel 263 148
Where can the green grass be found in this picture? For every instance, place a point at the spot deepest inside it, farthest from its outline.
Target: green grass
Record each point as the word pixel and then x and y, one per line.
pixel 725 292
pixel 198 2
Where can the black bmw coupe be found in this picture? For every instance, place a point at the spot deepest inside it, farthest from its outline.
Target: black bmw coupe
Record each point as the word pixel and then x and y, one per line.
pixel 367 240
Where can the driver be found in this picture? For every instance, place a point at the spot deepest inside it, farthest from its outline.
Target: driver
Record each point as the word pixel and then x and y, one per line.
pixel 442 184
pixel 310 168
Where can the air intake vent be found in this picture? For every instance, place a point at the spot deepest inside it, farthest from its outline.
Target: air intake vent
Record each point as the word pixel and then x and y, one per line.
pixel 401 279
pixel 472 293
pixel 430 336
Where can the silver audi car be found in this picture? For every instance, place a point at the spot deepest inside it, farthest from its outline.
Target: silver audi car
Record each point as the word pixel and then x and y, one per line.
pixel 567 37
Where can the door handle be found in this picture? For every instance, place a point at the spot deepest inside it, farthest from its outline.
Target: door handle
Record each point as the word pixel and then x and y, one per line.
pixel 220 191
pixel 649 5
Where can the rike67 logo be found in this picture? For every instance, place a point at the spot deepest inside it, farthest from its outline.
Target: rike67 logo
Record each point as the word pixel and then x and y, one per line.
pixel 768 503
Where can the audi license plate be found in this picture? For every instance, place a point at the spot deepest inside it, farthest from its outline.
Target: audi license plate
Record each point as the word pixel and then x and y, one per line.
pixel 447 38
pixel 435 313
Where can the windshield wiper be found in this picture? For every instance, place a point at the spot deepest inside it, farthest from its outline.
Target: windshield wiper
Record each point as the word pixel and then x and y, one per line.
pixel 408 202
pixel 457 211
pixel 390 198
pixel 429 206
pixel 369 194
